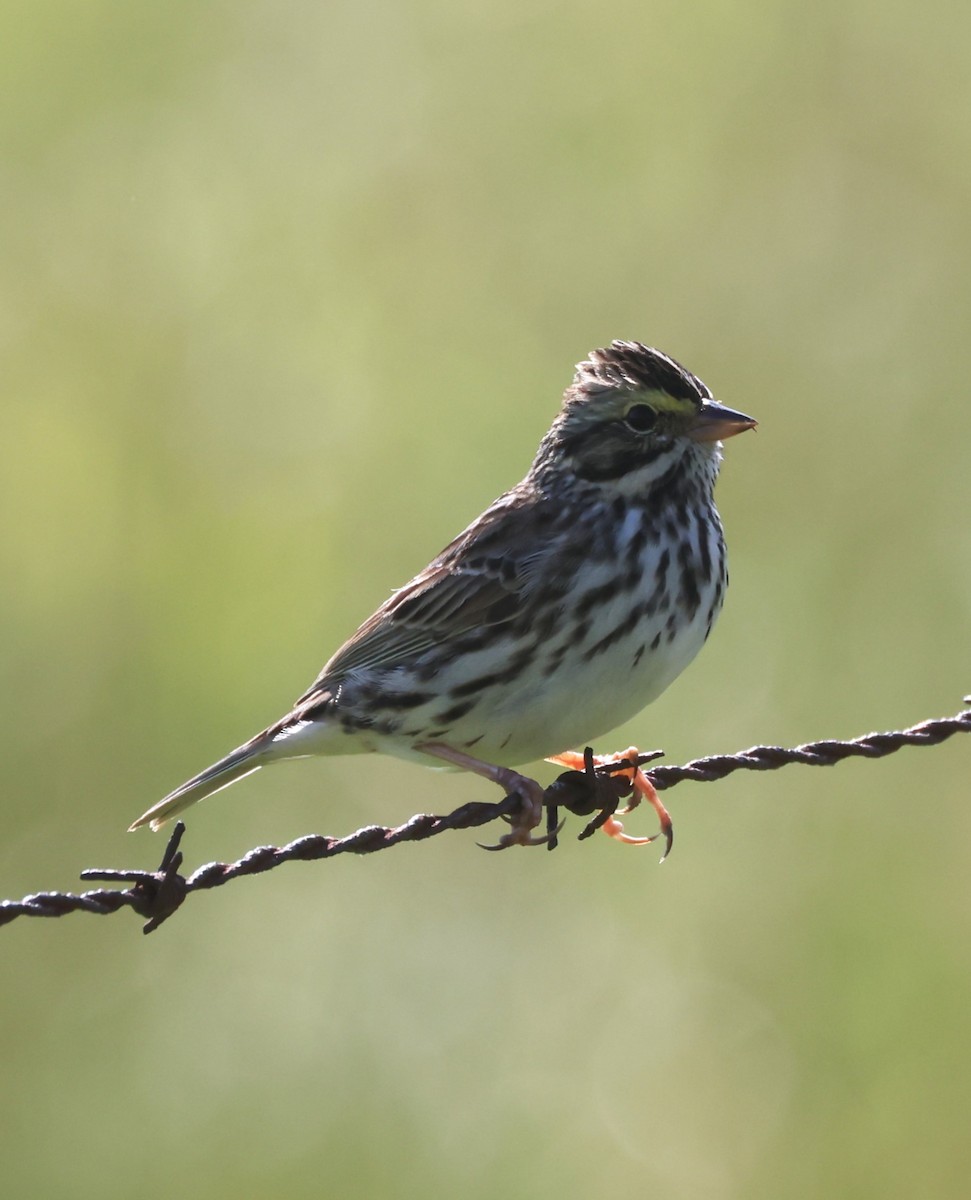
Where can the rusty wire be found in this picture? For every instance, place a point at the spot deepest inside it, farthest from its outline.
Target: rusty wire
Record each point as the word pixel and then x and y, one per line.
pixel 155 895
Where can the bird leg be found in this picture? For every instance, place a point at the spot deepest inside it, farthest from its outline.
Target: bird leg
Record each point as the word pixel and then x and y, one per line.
pixel 529 793
pixel 626 765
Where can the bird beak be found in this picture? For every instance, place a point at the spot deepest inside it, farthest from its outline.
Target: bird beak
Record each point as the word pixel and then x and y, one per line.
pixel 715 423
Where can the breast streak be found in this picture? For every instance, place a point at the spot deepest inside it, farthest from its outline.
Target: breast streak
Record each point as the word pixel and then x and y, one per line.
pixel 614 669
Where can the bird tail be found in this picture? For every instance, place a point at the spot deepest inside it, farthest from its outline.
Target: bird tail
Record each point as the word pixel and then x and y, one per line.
pixel 243 761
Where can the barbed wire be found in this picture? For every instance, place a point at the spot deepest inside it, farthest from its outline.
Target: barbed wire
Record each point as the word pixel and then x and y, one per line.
pixel 156 895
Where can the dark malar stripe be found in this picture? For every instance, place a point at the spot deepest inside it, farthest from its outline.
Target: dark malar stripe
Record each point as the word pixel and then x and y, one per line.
pixel 622 462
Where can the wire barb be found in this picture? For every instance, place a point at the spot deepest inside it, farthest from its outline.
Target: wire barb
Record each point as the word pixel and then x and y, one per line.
pixel 156 895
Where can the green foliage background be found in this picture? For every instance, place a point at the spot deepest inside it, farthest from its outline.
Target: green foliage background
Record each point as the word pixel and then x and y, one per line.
pixel 289 293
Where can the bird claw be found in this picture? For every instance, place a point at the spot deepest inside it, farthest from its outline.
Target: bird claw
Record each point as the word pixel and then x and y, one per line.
pixel 607 778
pixel 521 836
pixel 526 818
pixel 614 828
pixel 521 833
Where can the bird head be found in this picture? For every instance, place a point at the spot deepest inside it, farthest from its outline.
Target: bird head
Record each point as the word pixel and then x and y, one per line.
pixel 632 413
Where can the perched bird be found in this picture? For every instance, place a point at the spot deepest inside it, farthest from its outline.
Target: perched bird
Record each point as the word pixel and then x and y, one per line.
pixel 566 607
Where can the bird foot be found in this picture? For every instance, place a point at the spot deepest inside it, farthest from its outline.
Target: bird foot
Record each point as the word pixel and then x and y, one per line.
pixel 624 765
pixel 530 794
pixel 527 817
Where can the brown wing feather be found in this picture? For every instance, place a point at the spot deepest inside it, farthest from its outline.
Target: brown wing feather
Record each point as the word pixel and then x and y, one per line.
pixel 435 606
pixel 459 591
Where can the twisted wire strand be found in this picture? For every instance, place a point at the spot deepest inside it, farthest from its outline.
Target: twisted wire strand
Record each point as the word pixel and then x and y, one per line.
pixel 813 754
pixel 155 895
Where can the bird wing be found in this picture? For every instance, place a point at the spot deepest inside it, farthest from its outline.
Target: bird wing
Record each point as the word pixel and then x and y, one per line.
pixel 439 605
pixel 477 580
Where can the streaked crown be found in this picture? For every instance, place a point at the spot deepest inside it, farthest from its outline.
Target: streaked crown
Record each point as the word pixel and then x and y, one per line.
pixel 630 367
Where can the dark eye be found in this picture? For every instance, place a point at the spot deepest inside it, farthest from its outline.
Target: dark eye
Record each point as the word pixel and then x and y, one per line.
pixel 641 418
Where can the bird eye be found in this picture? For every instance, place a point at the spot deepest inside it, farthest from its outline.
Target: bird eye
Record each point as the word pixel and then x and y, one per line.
pixel 641 418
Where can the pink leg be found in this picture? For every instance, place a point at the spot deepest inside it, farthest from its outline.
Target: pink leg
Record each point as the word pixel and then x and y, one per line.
pixel 530 793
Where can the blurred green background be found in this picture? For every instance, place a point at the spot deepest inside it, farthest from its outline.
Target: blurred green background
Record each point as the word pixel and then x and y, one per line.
pixel 289 294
